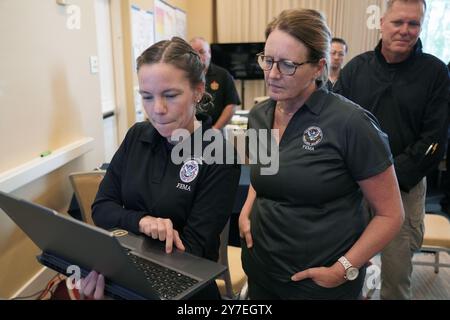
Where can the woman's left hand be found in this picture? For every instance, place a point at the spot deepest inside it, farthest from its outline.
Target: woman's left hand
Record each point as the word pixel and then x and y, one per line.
pixel 92 287
pixel 325 277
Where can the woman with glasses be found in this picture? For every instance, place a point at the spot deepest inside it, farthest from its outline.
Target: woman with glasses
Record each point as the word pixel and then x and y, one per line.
pixel 304 234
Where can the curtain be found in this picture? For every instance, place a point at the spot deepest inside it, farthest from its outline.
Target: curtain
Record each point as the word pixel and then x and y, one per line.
pixel 246 20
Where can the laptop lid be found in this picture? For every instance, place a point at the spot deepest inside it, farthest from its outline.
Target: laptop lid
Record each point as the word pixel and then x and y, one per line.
pixel 66 241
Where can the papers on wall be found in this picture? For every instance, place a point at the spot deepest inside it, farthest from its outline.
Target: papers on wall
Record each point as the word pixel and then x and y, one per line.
pixel 164 20
pixel 149 27
pixel 139 108
pixel 143 35
pixel 180 28
pixel 169 21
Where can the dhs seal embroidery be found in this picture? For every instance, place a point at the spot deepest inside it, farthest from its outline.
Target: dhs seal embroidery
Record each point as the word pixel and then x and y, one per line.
pixel 189 171
pixel 312 137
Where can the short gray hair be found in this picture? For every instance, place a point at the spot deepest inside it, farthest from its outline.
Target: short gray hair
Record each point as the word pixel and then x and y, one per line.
pixel 194 39
pixel 390 3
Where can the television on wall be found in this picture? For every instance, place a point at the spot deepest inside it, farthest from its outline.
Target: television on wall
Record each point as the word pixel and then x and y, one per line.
pixel 239 59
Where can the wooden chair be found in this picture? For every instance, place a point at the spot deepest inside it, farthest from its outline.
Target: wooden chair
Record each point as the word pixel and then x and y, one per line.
pixel 85 186
pixel 436 239
pixel 233 283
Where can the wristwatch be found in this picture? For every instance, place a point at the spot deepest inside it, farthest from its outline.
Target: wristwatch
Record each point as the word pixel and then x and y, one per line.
pixel 351 273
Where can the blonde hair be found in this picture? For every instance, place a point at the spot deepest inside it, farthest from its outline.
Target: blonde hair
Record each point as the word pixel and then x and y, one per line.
pixel 310 28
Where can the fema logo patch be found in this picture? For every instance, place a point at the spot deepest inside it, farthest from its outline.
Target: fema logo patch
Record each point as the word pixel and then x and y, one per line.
pixel 312 136
pixel 189 171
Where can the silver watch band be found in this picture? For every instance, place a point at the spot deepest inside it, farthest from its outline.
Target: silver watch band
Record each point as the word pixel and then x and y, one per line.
pixel 345 263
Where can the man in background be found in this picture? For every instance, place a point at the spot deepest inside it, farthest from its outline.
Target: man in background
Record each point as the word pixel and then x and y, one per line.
pixel 219 83
pixel 339 50
pixel 407 90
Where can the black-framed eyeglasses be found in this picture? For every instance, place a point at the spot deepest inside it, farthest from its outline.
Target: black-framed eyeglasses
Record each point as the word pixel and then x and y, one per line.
pixel 286 67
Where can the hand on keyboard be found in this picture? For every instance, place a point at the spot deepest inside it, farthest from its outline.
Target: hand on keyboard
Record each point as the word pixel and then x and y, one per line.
pixel 161 229
pixel 93 287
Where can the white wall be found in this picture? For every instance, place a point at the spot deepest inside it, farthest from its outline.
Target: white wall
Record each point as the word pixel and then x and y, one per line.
pixel 48 99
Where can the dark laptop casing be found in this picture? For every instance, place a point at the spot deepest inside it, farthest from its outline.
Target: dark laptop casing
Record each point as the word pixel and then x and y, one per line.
pixel 66 241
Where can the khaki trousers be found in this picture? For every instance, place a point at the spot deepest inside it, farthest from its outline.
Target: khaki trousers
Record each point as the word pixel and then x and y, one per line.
pixel 396 258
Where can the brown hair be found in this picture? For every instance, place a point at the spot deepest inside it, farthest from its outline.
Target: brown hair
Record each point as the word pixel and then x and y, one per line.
pixel 310 28
pixel 180 54
pixel 341 41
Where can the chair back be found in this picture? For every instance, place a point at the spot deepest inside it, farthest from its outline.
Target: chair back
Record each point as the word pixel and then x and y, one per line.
pixel 435 240
pixel 85 186
pixel 223 259
pixel 232 283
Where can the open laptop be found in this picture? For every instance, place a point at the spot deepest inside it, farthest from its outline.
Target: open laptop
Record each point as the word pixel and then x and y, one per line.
pixel 135 267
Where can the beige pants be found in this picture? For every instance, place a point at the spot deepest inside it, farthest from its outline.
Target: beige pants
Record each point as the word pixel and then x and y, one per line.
pixel 396 258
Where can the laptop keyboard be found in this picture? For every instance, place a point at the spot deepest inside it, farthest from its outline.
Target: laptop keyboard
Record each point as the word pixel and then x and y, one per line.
pixel 168 283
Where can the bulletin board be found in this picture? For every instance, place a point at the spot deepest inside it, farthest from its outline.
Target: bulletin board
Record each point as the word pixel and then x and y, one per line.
pixel 142 29
pixel 181 23
pixel 143 36
pixel 169 21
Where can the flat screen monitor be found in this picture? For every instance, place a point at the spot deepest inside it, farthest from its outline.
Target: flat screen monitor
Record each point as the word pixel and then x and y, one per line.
pixel 239 59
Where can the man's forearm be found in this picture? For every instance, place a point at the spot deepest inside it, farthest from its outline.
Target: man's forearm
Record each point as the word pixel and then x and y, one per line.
pixel 225 117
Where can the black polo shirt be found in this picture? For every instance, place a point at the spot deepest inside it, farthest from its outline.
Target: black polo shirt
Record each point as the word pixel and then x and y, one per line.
pixel 309 213
pixel 220 85
pixel 142 180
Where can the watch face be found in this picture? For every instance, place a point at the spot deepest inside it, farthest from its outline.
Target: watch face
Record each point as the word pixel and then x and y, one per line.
pixel 352 273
